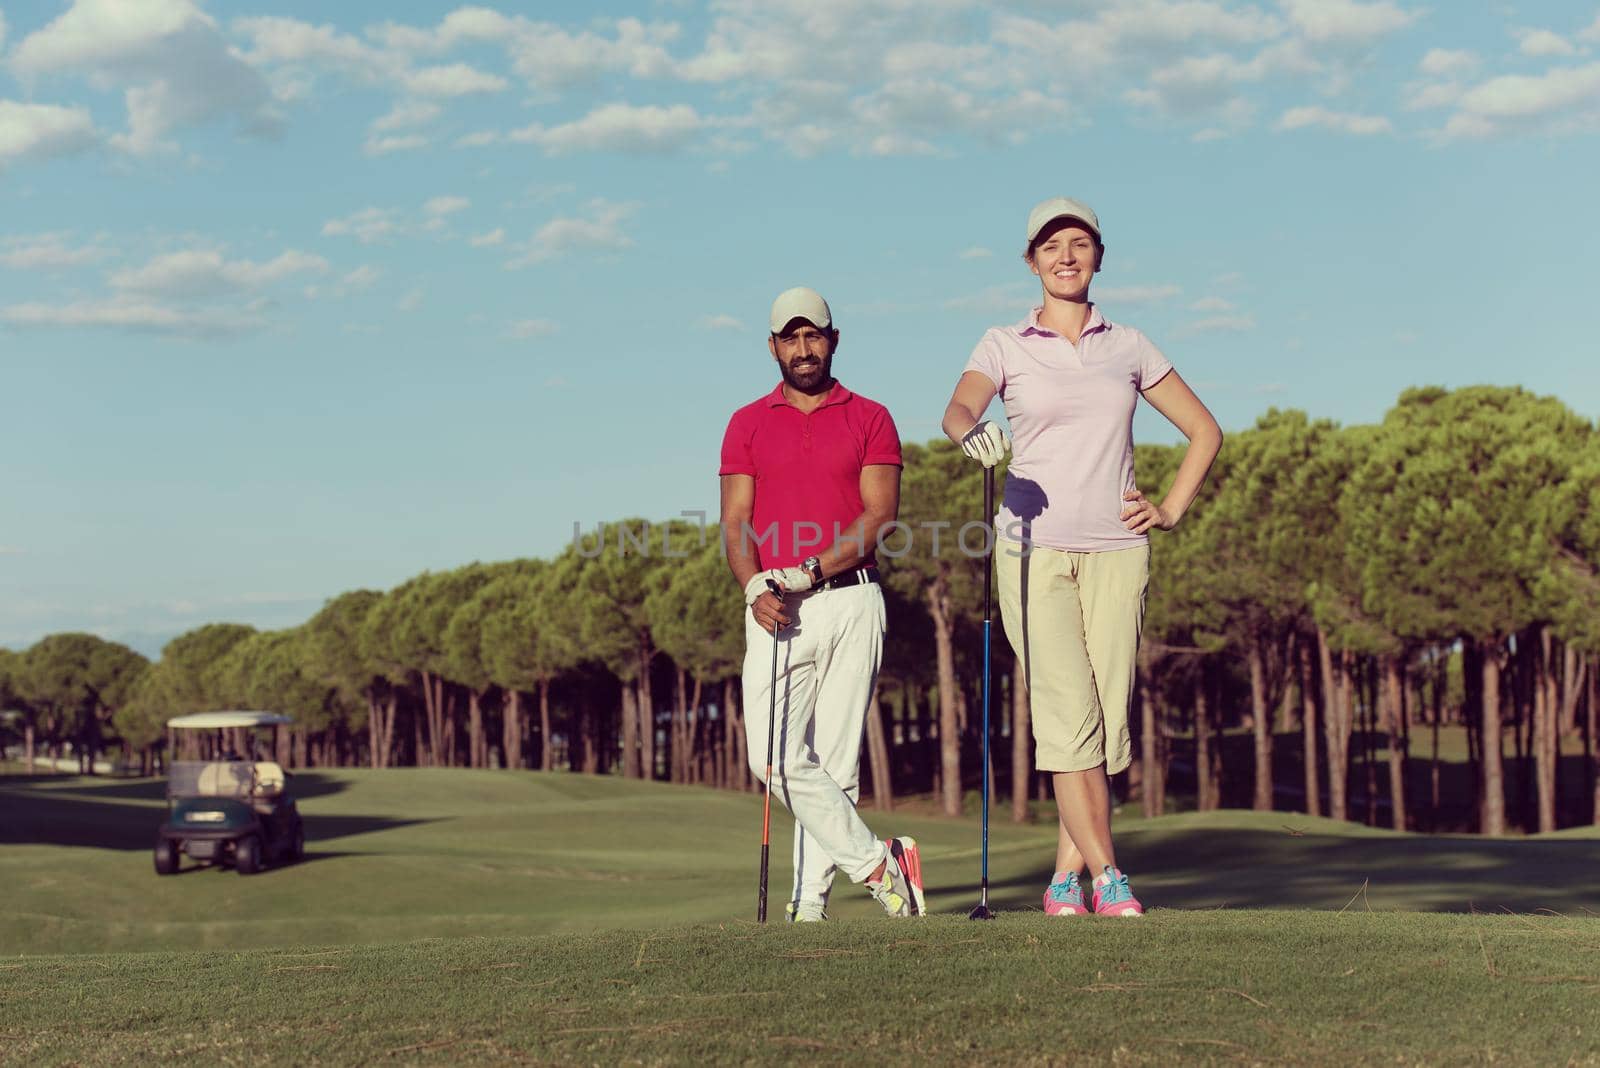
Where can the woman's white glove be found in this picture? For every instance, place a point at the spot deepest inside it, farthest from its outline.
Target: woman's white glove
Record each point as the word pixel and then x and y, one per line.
pixel 986 443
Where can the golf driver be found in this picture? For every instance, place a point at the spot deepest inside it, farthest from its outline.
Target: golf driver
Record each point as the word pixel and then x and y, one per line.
pixel 772 730
pixel 981 912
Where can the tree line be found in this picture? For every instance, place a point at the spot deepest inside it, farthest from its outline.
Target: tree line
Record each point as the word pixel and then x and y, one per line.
pixel 1337 596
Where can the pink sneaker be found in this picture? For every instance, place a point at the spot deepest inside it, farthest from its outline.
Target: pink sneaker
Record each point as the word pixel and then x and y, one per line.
pixel 1064 896
pixel 1112 896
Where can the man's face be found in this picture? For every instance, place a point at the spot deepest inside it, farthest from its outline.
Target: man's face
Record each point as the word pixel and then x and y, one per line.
pixel 805 355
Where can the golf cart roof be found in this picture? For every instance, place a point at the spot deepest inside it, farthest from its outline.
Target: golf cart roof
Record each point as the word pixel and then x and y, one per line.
pixel 215 720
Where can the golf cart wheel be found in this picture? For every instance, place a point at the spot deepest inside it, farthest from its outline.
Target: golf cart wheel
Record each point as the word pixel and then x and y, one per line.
pixel 247 855
pixel 166 857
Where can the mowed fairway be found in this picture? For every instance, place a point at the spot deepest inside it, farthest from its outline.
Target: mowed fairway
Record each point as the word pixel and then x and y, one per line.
pixel 457 915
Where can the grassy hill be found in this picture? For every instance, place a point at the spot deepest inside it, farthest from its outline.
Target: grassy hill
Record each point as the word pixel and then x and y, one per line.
pixel 479 916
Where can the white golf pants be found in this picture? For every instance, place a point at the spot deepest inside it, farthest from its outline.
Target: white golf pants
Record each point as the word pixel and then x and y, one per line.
pixel 828 661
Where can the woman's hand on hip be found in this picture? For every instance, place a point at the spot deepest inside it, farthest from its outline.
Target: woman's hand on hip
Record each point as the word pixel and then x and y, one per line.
pixel 1140 513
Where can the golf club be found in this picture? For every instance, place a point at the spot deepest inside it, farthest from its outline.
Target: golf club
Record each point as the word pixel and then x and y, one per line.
pixel 772 730
pixel 981 912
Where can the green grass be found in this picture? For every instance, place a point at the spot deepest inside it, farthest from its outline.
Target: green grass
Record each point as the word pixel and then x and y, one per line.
pixel 1218 987
pixel 459 915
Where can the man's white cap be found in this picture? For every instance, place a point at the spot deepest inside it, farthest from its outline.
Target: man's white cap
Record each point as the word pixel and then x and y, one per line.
pixel 1054 208
pixel 800 303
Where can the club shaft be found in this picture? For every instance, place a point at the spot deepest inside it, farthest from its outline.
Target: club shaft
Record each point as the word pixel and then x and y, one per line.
pixel 988 617
pixel 766 804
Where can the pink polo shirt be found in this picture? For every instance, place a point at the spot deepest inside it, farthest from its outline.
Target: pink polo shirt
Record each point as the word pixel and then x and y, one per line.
pixel 807 467
pixel 1071 414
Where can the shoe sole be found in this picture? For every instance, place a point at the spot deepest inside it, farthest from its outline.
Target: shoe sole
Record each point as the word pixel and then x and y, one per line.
pixel 909 858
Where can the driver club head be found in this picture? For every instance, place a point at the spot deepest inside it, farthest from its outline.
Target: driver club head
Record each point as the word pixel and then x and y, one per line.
pixel 981 912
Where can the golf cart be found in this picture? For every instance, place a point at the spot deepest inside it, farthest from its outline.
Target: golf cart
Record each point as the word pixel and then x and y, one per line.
pixel 225 807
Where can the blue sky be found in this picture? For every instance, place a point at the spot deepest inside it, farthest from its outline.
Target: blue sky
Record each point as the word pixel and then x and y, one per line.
pixel 292 307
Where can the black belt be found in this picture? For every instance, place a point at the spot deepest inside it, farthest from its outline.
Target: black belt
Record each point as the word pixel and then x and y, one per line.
pixel 849 578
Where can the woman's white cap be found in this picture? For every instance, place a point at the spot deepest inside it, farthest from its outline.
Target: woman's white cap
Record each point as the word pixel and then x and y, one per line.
pixel 800 303
pixel 1054 208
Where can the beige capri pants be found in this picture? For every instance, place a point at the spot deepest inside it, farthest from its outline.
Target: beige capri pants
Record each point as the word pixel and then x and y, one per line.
pixel 1073 620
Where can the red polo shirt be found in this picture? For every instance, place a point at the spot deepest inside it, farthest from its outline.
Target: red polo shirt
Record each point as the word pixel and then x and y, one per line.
pixel 807 467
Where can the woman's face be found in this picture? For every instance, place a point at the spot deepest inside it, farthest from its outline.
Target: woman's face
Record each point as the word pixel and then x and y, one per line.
pixel 1066 262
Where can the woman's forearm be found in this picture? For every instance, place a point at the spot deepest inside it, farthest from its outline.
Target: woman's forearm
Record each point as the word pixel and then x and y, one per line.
pixel 1197 461
pixel 958 419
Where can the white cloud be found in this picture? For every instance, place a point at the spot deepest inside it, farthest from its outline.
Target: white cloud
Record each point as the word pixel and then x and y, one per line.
pixel 1360 125
pixel 168 56
pixel 457 79
pixel 1136 294
pixel 599 228
pixel 721 322
pixel 477 139
pixel 406 113
pixel 976 252
pixel 199 273
pixel 1211 304
pixel 493 237
pixel 1440 61
pixel 361 278
pixel 446 205
pixel 11 550
pixel 48 252
pixel 1007 299
pixel 618 128
pixel 285 40
pixel 1541 43
pixel 126 313
pixel 2 29
pixel 528 329
pixel 1592 31
pixel 1221 324
pixel 39 131
pixel 411 301
pixel 367 225
pixel 1515 103
pixel 383 146
pixel 1346 20
pixel 1439 95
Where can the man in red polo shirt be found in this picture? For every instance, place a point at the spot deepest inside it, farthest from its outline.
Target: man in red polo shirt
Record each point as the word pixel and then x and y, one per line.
pixel 810 482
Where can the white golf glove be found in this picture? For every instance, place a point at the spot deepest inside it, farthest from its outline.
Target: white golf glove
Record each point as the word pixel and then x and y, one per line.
pixel 986 443
pixel 790 579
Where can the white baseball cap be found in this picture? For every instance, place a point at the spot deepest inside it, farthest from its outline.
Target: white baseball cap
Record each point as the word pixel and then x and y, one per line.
pixel 800 303
pixel 1048 211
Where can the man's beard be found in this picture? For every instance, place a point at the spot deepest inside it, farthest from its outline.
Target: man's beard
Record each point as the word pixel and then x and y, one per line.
pixel 817 380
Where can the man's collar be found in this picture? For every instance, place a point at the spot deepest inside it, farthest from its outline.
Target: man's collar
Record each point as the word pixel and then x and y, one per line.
pixel 1096 322
pixel 837 395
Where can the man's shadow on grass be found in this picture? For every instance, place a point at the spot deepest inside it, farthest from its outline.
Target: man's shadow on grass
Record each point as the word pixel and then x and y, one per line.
pixel 1222 868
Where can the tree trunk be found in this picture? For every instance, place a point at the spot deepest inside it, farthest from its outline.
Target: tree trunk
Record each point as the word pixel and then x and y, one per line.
pixel 738 760
pixel 1591 743
pixel 511 729
pixel 646 710
pixel 546 749
pixel 630 731
pixel 1205 786
pixel 1394 722
pixel 938 601
pixel 477 744
pixel 1153 796
pixel 1308 730
pixel 1492 794
pixel 697 721
pixel 1573 668
pixel 1021 743
pixel 1262 726
pixel 28 747
pixel 878 755
pixel 1335 728
pixel 678 764
pixel 1546 731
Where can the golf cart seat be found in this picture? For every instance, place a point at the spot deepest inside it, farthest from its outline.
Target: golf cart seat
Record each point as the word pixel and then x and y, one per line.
pixel 225 778
pixel 269 779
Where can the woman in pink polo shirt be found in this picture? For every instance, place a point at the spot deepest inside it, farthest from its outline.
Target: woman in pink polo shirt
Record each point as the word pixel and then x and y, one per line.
pixel 1073 553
